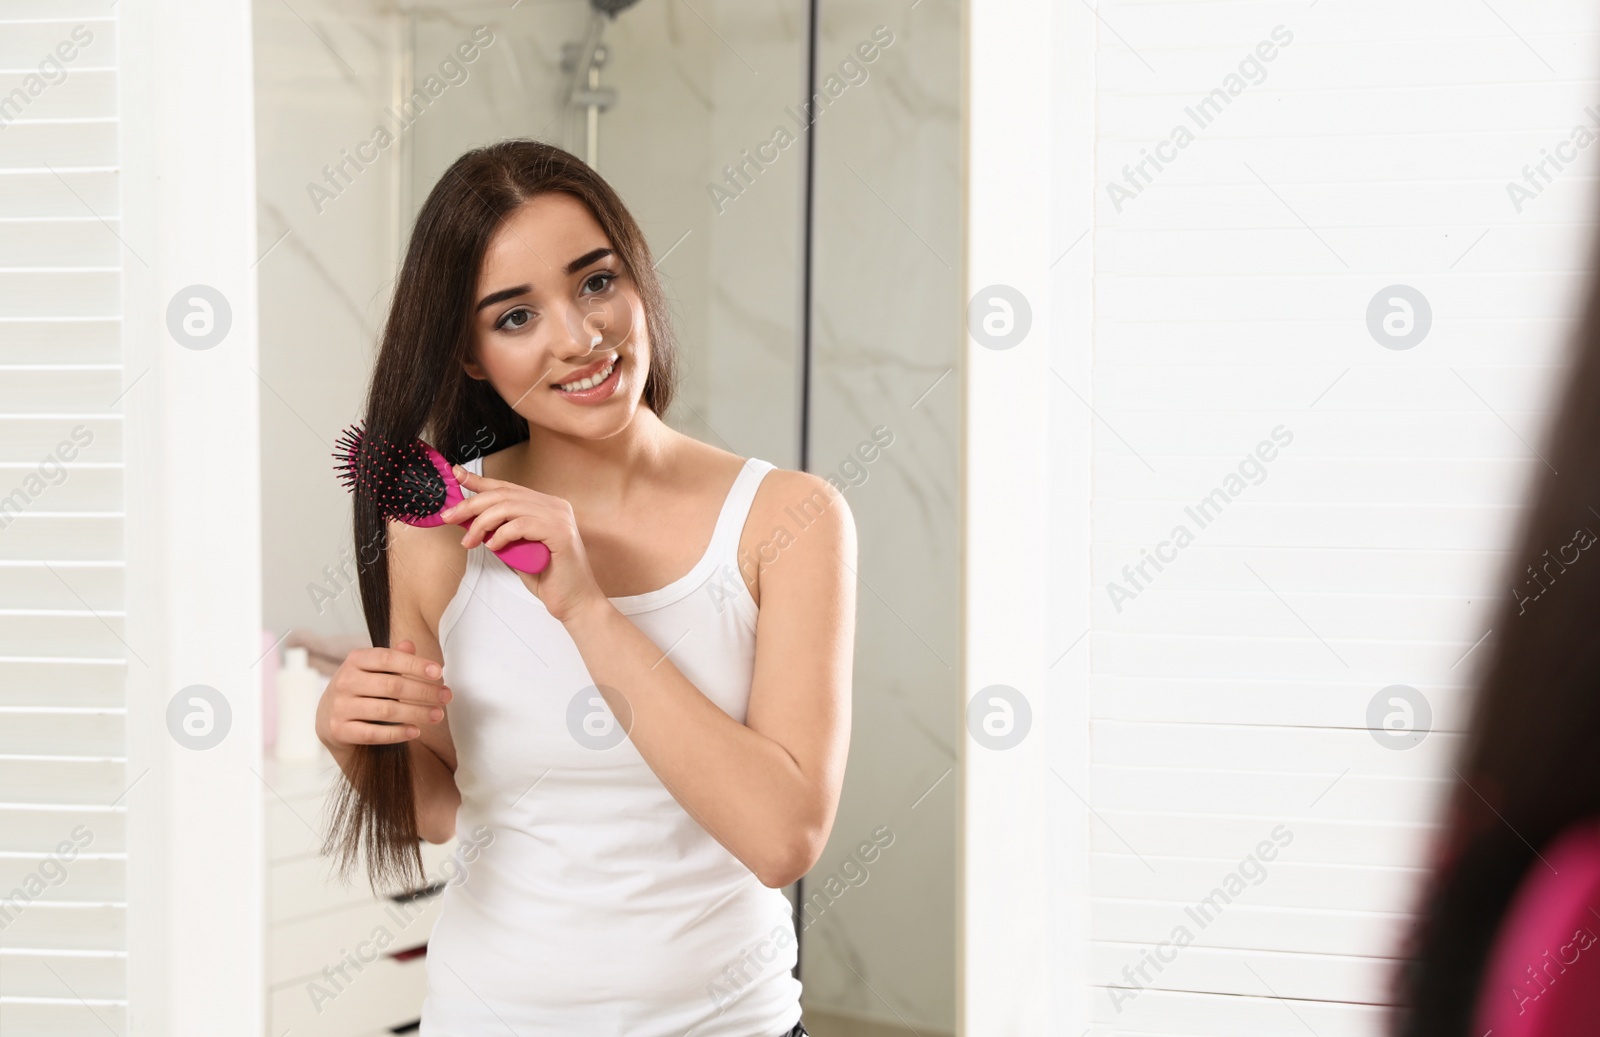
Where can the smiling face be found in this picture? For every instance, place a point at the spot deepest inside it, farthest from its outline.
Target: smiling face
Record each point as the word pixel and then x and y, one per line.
pixel 558 326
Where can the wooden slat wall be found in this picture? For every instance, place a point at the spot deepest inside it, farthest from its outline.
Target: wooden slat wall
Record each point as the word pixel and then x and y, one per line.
pixel 1230 697
pixel 62 716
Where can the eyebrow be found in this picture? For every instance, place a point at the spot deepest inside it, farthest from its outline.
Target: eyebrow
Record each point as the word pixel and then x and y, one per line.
pixel 522 289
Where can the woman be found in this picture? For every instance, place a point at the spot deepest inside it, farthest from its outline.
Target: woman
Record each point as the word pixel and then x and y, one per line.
pixel 645 741
pixel 1529 770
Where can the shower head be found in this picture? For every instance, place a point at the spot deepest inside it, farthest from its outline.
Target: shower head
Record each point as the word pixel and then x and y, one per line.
pixel 611 7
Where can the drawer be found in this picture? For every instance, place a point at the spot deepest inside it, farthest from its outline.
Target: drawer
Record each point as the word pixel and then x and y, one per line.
pixel 307 886
pixel 301 949
pixel 383 993
pixel 68 1018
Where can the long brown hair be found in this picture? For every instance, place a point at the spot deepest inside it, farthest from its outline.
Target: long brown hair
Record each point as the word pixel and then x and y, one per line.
pixel 1530 765
pixel 419 388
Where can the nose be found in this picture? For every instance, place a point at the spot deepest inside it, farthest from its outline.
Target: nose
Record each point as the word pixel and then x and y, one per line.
pixel 580 339
pixel 589 325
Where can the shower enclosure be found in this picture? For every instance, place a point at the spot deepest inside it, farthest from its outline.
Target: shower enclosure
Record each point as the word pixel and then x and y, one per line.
pixel 795 166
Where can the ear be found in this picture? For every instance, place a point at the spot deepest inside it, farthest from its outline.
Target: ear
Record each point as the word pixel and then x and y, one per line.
pixel 473 370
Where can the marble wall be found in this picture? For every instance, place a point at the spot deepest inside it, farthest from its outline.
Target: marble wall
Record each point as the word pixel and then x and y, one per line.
pixel 325 73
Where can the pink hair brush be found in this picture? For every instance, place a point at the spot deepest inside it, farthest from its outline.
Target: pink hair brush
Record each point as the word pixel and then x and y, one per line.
pixel 411 483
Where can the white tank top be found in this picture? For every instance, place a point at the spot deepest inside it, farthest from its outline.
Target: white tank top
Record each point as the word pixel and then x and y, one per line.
pixel 598 905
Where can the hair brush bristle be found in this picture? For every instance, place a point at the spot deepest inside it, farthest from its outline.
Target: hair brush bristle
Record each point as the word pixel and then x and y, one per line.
pixel 399 477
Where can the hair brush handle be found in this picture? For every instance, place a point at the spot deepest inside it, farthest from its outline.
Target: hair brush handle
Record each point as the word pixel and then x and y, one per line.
pixel 528 556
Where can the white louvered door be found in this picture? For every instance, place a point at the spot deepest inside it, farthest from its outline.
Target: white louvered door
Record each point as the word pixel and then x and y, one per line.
pixel 62 661
pixel 130 888
pixel 1256 849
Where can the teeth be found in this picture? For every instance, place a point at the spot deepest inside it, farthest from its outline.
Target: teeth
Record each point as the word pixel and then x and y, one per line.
pixel 591 381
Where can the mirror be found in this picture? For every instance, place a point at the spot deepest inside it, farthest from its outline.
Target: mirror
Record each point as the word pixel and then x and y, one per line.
pixel 809 254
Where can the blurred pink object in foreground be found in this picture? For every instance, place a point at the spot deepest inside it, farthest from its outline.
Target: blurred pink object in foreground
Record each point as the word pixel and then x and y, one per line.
pixel 1543 974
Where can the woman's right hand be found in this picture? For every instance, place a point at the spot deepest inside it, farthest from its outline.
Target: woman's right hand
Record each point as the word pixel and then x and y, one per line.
pixel 378 696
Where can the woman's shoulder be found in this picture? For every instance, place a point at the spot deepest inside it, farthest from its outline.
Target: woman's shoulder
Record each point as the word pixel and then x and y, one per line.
pixel 805 516
pixel 778 485
pixel 784 493
pixel 781 494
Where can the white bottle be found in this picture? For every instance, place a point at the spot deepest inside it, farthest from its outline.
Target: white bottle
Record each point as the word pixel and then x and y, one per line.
pixel 299 690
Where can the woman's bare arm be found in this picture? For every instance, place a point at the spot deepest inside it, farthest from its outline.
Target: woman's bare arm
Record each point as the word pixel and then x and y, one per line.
pixel 425 568
pixel 424 572
pixel 766 789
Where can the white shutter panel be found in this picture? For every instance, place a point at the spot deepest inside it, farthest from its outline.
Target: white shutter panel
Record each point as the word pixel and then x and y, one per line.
pixel 1230 689
pixel 62 660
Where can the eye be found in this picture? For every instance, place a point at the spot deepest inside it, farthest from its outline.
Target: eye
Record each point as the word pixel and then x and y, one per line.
pixel 514 319
pixel 605 277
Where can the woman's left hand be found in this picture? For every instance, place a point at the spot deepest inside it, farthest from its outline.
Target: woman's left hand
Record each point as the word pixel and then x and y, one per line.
pixel 504 512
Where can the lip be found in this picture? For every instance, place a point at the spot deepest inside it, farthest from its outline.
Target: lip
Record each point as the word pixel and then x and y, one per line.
pixel 600 392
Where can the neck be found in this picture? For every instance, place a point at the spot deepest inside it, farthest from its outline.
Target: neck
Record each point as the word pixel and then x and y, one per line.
pixel 597 471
